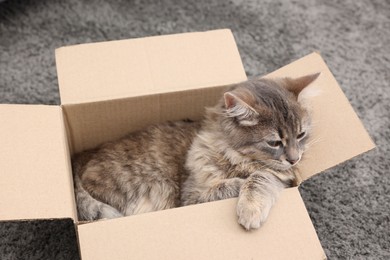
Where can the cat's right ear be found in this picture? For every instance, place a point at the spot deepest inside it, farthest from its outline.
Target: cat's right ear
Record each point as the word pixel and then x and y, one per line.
pixel 296 85
pixel 240 106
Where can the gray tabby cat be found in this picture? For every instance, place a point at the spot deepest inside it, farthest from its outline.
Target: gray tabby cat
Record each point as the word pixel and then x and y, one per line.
pixel 246 147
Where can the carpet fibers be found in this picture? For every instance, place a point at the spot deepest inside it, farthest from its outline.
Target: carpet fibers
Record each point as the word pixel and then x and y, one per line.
pixel 349 204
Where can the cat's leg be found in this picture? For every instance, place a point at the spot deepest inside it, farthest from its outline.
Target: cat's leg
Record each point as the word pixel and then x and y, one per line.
pixel 219 189
pixel 224 189
pixel 153 195
pixel 91 209
pixel 257 196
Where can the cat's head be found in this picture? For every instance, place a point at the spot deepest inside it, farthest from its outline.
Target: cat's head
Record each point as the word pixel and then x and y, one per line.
pixel 265 120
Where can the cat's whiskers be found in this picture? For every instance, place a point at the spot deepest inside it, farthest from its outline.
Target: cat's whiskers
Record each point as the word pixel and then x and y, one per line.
pixel 306 155
pixel 313 141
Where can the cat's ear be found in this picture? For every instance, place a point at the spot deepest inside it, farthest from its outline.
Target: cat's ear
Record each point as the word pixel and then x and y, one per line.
pixel 239 104
pixel 296 85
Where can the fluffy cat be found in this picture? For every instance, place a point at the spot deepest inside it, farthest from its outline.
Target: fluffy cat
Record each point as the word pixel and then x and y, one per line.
pixel 246 147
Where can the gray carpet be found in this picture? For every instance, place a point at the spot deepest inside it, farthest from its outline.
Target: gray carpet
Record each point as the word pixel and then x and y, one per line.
pixel 349 204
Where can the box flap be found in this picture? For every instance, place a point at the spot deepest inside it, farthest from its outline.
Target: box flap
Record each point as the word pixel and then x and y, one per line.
pixel 152 65
pixel 205 231
pixel 35 176
pixel 338 134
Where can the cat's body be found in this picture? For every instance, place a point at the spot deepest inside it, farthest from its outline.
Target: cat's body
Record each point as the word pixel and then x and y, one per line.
pixel 246 147
pixel 139 173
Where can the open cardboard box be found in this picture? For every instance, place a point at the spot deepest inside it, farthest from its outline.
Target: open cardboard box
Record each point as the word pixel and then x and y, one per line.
pixel 112 88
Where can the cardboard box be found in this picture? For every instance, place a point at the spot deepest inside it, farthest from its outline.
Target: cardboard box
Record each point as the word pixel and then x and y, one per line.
pixel 112 88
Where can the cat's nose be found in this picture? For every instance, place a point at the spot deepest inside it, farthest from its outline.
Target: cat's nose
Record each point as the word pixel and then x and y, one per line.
pixel 292 155
pixel 292 161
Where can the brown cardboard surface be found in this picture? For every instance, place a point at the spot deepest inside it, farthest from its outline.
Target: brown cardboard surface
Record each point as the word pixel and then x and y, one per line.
pixel 91 124
pixel 35 175
pixel 206 231
pixel 338 134
pixel 152 65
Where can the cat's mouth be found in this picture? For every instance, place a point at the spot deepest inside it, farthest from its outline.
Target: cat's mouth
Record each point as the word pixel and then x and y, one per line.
pixel 282 165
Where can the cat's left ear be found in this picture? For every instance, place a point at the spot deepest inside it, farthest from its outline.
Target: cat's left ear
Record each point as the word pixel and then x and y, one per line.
pixel 296 85
pixel 239 104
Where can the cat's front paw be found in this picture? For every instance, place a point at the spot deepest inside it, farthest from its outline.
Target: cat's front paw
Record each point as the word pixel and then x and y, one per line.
pixel 250 215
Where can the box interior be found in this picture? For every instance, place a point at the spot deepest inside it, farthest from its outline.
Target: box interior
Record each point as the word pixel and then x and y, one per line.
pixel 91 124
pixel 335 131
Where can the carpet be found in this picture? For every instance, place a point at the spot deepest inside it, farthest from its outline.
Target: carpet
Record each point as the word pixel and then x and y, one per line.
pixel 348 204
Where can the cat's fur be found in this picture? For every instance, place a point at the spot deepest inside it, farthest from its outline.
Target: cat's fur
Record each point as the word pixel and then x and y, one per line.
pixel 246 146
pixel 136 174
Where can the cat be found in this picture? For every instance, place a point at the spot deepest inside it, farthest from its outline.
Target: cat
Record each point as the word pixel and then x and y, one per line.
pixel 246 146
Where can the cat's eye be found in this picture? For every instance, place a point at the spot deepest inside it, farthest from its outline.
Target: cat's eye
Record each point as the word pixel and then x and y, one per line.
pixel 301 135
pixel 274 144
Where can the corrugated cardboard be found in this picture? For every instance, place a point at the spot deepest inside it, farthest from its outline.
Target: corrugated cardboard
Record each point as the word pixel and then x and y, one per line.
pixel 206 231
pixel 144 70
pixel 152 65
pixel 35 176
pixel 91 124
pixel 109 89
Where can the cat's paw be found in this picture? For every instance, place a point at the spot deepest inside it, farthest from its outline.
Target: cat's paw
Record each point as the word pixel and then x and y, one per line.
pixel 250 215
